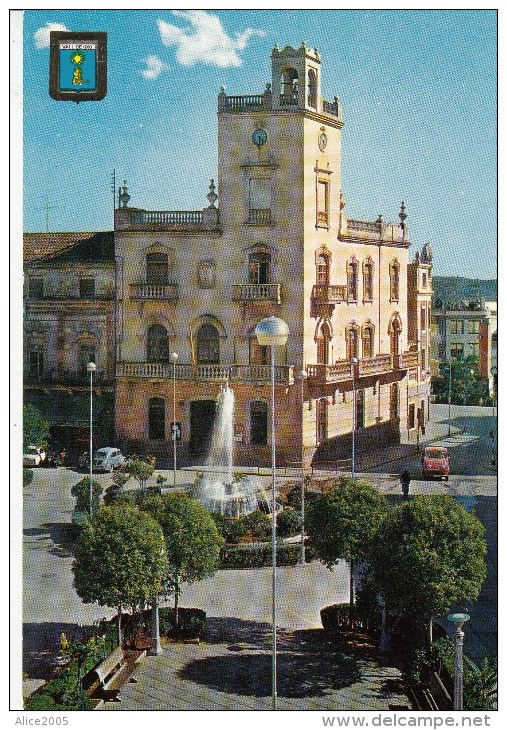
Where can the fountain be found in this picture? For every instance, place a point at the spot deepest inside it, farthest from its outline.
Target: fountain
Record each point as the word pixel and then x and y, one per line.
pixel 216 489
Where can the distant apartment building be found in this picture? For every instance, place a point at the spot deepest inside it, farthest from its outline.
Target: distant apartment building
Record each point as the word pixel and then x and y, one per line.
pixel 467 329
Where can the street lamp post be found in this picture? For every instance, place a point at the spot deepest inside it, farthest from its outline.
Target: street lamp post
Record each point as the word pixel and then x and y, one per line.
pixel 494 371
pixel 303 375
pixel 174 357
pixel 458 619
pixel 91 367
pixel 353 363
pixel 273 331
pixel 449 365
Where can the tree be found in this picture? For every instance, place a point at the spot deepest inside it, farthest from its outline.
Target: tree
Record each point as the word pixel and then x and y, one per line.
pixel 192 540
pixel 428 555
pixel 467 387
pixel 81 491
pixel 35 427
pixel 342 522
pixel 120 559
pixel 142 471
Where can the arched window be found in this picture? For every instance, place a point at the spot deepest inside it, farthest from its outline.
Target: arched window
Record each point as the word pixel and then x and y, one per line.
pixel 321 417
pixel 323 341
pixel 352 337
pixel 394 277
pixel 259 268
pixel 289 95
pixel 322 270
pixel 258 423
pixel 368 280
pixel 157 268
pixel 367 344
pixel 394 331
pixel 312 88
pixel 208 344
pixel 352 284
pixel 156 419
pixel 158 344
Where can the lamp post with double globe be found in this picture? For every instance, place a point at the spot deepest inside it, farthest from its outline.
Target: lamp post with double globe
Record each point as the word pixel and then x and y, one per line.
pixel 273 331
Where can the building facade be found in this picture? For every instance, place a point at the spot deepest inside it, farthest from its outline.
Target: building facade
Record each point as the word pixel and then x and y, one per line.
pixel 467 329
pixel 196 283
pixel 69 320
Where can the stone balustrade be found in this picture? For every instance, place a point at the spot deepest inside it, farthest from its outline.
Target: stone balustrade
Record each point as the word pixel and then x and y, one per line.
pixel 169 220
pixel 211 372
pixel 375 365
pixel 257 293
pixel 376 231
pixel 342 370
pixel 329 293
pixel 154 291
pixel 406 360
pixel 330 373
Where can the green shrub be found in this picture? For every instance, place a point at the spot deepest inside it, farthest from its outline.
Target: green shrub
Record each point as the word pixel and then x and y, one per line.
pixel 27 477
pixel 231 530
pixel 341 617
pixel 40 701
pixel 256 525
pixel 258 555
pixel 192 622
pixel 81 491
pixel 60 694
pixel 288 522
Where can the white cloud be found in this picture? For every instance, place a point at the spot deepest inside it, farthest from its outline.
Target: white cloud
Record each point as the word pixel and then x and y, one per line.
pixel 205 41
pixel 154 67
pixel 41 36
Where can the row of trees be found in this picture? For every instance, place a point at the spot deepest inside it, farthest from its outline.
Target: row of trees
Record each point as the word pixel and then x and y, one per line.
pixel 467 387
pixel 423 556
pixel 130 556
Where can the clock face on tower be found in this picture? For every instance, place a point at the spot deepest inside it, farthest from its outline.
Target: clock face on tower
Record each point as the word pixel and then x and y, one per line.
pixel 322 141
pixel 259 137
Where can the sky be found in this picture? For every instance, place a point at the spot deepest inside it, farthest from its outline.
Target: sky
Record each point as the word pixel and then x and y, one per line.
pixel 418 90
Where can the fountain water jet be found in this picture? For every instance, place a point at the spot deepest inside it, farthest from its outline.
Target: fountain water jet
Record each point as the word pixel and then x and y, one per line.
pixel 217 490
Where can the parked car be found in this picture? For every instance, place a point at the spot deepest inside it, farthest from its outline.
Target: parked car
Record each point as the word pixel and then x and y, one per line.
pixel 34 456
pixel 435 462
pixel 108 458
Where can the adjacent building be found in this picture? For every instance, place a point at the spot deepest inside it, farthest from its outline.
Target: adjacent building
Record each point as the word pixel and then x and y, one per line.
pixel 175 304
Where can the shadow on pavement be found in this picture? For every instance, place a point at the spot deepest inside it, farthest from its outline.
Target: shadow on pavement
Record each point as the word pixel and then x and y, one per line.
pixel 310 664
pixel 41 645
pixel 61 534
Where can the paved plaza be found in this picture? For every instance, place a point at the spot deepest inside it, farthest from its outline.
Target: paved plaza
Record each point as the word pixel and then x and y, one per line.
pixel 231 668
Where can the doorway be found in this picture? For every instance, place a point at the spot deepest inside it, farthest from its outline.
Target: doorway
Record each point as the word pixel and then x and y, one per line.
pixel 202 417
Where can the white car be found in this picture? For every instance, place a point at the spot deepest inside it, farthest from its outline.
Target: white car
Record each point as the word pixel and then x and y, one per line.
pixel 107 459
pixel 34 456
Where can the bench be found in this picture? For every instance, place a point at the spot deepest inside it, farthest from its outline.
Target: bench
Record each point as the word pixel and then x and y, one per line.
pixel 98 679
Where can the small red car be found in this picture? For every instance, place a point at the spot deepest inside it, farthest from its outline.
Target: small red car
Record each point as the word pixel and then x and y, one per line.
pixel 435 462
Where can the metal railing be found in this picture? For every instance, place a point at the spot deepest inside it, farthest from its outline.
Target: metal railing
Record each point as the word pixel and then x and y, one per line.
pixel 259 216
pixel 332 107
pixel 167 217
pixel 257 292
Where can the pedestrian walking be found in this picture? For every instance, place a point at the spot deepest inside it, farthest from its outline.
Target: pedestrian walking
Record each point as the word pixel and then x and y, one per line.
pixel 405 483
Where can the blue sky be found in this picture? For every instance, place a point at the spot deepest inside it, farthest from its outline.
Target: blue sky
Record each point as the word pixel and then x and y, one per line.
pixel 418 90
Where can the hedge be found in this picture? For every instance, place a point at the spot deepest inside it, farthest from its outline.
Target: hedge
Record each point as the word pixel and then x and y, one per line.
pixel 260 555
pixel 27 477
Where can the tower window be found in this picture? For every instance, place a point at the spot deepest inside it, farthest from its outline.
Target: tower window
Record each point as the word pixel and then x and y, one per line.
pixel 289 95
pixel 312 89
pixel 323 203
pixel 259 201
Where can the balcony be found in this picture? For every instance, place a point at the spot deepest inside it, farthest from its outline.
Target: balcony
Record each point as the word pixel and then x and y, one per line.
pixel 374 231
pixel 67 378
pixel 138 219
pixel 375 365
pixel 257 293
pixel 259 217
pixel 329 293
pixel 248 103
pixel 290 99
pixel 406 360
pixel 144 292
pixel 206 373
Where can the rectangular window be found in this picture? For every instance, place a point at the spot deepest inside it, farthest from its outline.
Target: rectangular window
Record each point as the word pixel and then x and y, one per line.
pixel 157 268
pixel 423 319
pixel 259 201
pixel 456 326
pixel 323 203
pixel 473 349
pixel 35 287
pixel 456 349
pixel 473 327
pixel 411 416
pixel 36 365
pixel 87 288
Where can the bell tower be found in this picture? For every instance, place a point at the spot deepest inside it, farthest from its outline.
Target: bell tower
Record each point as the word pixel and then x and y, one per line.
pixel 295 76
